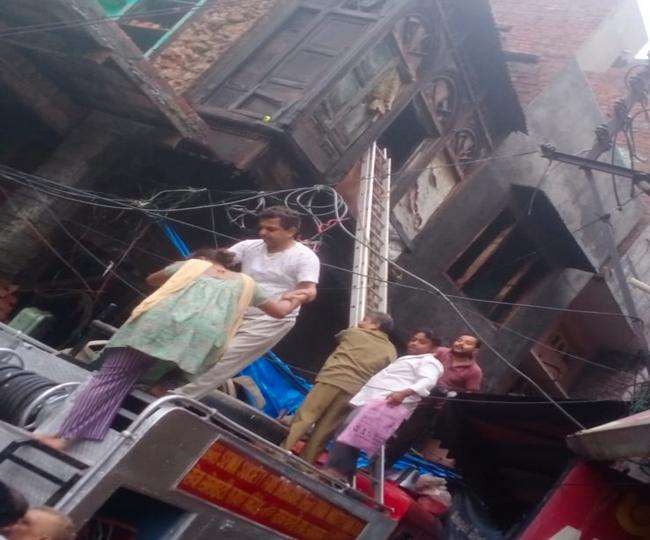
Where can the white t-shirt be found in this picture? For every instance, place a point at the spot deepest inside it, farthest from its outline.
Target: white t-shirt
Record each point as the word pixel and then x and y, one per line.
pixel 277 272
pixel 418 372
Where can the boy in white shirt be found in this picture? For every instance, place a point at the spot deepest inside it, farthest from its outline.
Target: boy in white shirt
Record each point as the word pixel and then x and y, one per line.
pixel 281 266
pixel 407 380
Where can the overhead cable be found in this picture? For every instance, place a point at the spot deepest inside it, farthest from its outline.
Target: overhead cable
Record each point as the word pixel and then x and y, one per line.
pixel 462 298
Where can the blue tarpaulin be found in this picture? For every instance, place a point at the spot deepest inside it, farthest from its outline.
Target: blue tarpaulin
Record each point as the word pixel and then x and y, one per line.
pixel 412 461
pixel 283 390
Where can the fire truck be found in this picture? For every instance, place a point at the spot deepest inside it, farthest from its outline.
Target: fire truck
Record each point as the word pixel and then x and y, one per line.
pixel 170 467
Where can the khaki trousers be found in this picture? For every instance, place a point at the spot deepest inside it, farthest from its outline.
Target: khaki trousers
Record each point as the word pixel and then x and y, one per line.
pixel 256 335
pixel 327 406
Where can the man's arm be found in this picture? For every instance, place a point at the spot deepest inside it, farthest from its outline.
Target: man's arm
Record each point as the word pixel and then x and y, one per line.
pixel 305 291
pixel 427 375
pixel 278 309
pixel 308 288
pixel 157 279
pixel 396 398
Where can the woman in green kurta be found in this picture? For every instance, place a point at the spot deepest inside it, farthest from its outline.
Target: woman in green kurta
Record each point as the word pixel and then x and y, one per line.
pixel 188 328
pixel 187 323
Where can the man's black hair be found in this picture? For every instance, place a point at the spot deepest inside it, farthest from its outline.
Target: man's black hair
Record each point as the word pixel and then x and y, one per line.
pixel 430 335
pixel 288 218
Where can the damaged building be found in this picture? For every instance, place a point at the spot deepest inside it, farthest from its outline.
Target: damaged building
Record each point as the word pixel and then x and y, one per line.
pixel 129 124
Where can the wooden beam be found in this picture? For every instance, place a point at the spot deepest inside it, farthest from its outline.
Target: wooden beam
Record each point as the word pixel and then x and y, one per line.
pixel 130 61
pixel 485 255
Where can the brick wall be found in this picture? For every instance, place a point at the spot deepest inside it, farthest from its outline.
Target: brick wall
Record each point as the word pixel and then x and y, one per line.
pixel 207 37
pixel 554 30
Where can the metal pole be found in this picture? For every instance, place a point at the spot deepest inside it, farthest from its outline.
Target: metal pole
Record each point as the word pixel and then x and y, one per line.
pixel 605 137
pixel 616 260
pixel 379 475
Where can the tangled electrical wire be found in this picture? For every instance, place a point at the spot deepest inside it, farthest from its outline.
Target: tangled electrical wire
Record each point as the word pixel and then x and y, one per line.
pixel 316 202
pixel 306 201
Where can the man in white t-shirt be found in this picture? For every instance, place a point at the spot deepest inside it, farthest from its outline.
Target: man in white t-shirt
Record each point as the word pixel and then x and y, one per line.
pixel 282 266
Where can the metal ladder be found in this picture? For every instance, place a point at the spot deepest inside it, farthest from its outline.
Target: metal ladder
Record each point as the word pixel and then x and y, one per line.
pixel 11 453
pixel 369 280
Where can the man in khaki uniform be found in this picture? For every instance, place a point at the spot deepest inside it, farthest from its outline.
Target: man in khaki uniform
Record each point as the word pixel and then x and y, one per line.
pixel 362 352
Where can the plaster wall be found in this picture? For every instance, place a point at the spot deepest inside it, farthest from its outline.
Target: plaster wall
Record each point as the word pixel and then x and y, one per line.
pixel 427 193
pixel 565 115
pixel 622 32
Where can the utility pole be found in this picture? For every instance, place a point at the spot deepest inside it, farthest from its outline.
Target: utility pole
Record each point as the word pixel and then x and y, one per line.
pixel 606 135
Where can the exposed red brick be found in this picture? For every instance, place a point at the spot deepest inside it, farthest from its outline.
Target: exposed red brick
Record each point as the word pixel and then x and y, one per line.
pixel 554 30
pixel 205 39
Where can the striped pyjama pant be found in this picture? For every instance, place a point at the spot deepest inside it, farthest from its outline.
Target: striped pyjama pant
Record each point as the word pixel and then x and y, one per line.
pixel 97 404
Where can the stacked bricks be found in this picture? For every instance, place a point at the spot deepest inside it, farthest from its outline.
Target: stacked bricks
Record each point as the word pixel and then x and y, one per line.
pixel 207 37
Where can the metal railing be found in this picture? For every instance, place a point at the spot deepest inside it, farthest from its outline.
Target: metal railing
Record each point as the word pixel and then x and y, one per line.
pixel 12 354
pixel 59 390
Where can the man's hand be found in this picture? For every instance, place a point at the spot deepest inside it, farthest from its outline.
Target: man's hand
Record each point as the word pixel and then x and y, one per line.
pixel 309 288
pixel 301 295
pixel 396 398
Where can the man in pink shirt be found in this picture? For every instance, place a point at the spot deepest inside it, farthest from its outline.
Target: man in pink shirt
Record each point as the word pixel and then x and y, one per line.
pixel 462 372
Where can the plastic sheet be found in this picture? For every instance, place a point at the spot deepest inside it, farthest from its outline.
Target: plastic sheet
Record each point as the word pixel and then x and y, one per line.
pixel 283 390
pixel 372 425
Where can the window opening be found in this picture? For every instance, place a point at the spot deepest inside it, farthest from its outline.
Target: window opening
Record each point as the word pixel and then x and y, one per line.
pixel 499 265
pixel 403 137
pixel 369 6
pixel 367 92
pixel 481 249
pixel 357 82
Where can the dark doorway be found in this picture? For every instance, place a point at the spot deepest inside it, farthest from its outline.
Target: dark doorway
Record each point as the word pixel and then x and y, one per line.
pixel 403 137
